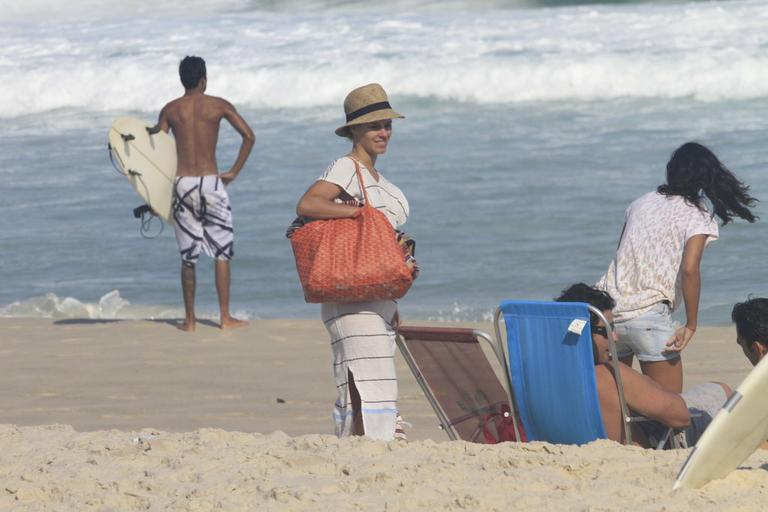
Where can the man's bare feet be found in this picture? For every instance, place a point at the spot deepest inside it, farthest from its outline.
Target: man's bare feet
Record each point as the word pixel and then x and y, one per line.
pixel 187 325
pixel 231 323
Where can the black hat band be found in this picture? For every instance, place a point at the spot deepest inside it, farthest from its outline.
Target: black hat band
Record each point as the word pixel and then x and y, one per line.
pixel 373 107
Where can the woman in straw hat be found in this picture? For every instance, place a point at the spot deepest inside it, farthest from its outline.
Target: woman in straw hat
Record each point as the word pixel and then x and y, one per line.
pixel 363 333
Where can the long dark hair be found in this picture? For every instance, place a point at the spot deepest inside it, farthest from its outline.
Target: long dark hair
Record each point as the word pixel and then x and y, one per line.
pixel 694 169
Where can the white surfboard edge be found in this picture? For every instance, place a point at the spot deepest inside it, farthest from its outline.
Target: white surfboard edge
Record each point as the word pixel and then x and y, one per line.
pixel 739 429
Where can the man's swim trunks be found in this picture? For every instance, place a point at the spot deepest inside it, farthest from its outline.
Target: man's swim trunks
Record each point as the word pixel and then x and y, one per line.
pixel 203 218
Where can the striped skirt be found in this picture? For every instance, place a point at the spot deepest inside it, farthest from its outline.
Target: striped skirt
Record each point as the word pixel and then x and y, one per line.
pixel 363 344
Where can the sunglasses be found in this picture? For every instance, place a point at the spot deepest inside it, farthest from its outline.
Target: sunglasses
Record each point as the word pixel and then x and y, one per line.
pixel 601 330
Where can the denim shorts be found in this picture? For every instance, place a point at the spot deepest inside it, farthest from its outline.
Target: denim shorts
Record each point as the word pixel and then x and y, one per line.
pixel 647 335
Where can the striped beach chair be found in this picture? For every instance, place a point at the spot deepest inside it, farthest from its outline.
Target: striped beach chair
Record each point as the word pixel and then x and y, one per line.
pixel 461 385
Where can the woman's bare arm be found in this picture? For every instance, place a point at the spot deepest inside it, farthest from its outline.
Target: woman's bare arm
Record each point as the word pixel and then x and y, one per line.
pixel 691 283
pixel 317 203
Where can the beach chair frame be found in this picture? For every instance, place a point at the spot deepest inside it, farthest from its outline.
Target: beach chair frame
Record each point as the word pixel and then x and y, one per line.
pixel 627 419
pixel 445 423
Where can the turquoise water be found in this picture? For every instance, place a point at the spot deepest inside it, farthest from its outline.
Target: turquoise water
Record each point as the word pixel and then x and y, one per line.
pixel 528 132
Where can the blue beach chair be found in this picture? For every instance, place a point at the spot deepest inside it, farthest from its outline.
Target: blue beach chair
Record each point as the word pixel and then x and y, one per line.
pixel 551 373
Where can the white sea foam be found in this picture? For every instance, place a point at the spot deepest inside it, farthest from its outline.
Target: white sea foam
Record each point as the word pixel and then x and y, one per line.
pixel 109 306
pixel 80 9
pixel 38 10
pixel 461 313
pixel 709 52
pixel 51 306
pixel 112 306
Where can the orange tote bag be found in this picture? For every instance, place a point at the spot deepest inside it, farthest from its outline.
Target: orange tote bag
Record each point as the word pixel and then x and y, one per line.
pixel 351 260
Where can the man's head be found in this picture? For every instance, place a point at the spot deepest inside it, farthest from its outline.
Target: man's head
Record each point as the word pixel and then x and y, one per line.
pixel 192 71
pixel 751 318
pixel 601 300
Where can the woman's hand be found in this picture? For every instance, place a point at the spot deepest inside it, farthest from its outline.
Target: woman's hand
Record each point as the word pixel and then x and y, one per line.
pixel 680 339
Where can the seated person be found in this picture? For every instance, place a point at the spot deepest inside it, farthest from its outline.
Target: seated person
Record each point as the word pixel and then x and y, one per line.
pixel 751 319
pixel 643 395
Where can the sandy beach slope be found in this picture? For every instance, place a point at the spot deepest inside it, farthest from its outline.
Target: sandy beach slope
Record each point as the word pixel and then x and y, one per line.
pixel 135 415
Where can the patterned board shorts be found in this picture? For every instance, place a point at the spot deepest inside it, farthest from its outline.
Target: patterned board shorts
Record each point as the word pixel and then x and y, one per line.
pixel 203 218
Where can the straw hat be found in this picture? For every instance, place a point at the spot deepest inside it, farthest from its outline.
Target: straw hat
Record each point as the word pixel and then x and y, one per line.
pixel 364 105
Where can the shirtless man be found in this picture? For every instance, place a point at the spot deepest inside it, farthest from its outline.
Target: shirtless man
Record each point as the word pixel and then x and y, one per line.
pixel 201 210
pixel 643 395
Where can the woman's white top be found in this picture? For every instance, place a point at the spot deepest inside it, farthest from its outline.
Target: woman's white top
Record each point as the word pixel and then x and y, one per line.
pixel 646 267
pixel 383 195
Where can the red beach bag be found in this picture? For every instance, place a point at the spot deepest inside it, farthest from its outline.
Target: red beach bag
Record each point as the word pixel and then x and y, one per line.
pixel 351 260
pixel 498 427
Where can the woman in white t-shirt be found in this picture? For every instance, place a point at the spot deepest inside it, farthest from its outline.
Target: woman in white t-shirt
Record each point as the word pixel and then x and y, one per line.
pixel 659 254
pixel 362 334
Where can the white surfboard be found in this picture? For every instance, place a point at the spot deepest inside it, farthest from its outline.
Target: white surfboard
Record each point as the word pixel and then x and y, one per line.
pixel 148 160
pixel 737 431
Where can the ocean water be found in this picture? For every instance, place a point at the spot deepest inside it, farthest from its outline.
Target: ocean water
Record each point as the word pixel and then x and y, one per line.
pixel 530 127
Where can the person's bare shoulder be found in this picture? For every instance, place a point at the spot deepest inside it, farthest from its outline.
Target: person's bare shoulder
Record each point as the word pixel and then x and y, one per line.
pixel 219 100
pixel 168 118
pixel 217 108
pixel 172 105
pixel 218 103
pixel 176 102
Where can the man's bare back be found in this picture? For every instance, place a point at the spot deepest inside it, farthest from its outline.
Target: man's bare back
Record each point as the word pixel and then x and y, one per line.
pixel 195 119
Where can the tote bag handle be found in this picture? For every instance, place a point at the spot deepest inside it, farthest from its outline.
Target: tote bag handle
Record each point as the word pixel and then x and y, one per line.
pixel 360 182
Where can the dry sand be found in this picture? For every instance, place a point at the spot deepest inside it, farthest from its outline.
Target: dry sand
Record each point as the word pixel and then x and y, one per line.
pixel 135 415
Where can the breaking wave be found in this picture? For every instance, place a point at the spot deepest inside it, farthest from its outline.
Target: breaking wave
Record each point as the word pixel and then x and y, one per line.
pixel 297 60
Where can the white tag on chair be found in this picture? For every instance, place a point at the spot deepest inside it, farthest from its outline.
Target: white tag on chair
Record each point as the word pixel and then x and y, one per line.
pixel 577 326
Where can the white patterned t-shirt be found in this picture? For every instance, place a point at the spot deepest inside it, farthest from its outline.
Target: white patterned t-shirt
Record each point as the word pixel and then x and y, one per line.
pixel 646 267
pixel 383 195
